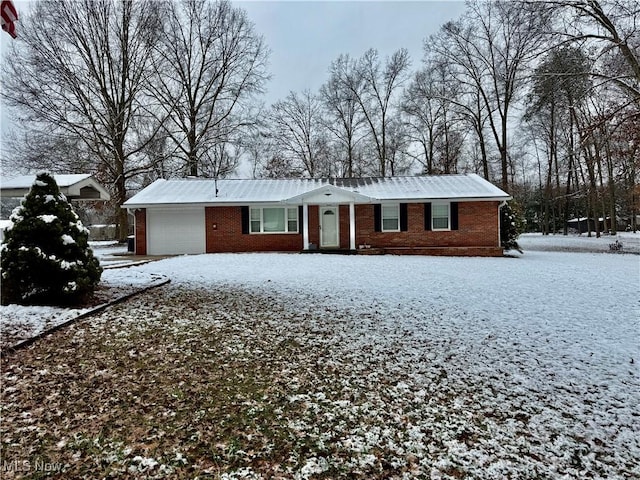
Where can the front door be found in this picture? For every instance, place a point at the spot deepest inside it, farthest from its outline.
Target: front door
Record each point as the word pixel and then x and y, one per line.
pixel 329 227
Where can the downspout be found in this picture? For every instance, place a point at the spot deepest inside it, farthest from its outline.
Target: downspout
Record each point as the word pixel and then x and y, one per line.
pixel 132 211
pixel 500 205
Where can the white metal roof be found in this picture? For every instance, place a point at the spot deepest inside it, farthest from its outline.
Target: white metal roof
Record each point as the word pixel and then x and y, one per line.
pixel 238 191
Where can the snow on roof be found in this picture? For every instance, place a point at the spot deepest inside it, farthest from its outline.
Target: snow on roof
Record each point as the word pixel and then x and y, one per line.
pixel 26 181
pixel 203 191
pixel 81 186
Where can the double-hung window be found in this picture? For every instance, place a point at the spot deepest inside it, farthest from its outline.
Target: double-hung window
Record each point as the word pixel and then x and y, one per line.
pixel 440 218
pixel 390 218
pixel 274 220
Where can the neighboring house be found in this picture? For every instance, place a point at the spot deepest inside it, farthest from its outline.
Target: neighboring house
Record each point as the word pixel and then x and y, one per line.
pixel 584 225
pixel 76 187
pixel 73 186
pixel 4 226
pixel 434 215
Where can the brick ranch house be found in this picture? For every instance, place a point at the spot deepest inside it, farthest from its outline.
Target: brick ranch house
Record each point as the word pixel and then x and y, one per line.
pixel 433 215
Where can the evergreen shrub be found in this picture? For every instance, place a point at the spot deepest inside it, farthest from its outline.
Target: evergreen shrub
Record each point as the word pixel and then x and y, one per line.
pixel 45 258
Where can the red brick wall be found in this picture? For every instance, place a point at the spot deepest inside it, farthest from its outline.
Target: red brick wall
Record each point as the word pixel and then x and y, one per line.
pixel 477 232
pixel 477 227
pixel 314 225
pixel 141 231
pixel 224 234
pixel 343 218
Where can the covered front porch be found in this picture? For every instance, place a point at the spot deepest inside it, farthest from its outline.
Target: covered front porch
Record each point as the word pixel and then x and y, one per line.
pixel 329 219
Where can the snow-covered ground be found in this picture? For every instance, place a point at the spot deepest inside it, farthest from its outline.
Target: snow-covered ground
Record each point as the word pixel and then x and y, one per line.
pixel 555 306
pixel 580 243
pixel 20 322
pixel 543 349
pixel 440 367
pixel 112 254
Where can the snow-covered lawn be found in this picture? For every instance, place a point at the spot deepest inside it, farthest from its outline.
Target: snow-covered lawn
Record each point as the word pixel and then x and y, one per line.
pixel 323 366
pixel 580 243
pixel 18 322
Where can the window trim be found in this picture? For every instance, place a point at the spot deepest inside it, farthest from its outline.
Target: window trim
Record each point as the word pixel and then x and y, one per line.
pixel 433 217
pixel 286 220
pixel 382 217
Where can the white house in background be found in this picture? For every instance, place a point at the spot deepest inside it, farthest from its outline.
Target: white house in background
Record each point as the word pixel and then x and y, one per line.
pixel 4 224
pixel 74 186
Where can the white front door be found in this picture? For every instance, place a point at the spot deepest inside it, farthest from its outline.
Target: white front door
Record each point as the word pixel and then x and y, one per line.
pixel 329 235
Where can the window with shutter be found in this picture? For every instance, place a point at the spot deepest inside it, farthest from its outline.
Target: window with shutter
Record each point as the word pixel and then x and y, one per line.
pixel 454 215
pixel 440 216
pixel 244 215
pixel 390 218
pixel 274 220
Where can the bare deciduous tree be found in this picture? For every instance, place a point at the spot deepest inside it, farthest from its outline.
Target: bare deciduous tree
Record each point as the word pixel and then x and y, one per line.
pixel 492 48
pixel 210 64
pixel 297 132
pixel 79 80
pixel 374 86
pixel 435 115
pixel 345 119
pixel 422 110
pixel 611 24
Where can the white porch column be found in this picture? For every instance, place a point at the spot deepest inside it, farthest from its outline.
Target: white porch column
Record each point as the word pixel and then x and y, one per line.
pixel 352 226
pixel 305 226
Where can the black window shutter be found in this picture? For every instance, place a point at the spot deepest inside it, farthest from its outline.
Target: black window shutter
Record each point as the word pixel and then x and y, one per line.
pixel 377 217
pixel 300 218
pixel 427 216
pixel 454 215
pixel 245 219
pixel 404 218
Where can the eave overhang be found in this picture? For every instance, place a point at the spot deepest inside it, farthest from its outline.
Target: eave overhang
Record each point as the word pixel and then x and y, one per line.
pixel 329 194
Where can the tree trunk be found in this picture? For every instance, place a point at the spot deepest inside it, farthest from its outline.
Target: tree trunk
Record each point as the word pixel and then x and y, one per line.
pixel 485 161
pixel 569 174
pixel 612 189
pixel 123 216
pixel 566 202
pixel 634 199
pixel 349 157
pixel 547 196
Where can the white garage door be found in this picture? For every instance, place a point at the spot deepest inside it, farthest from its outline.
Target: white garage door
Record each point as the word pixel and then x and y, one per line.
pixel 175 231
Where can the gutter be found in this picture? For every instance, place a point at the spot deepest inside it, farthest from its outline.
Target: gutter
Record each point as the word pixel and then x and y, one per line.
pixel 240 203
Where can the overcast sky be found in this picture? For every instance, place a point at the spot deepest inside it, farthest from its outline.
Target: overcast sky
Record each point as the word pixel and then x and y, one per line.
pixel 305 37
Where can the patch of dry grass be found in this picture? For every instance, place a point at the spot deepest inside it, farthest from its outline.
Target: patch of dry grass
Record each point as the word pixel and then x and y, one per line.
pixel 195 383
pixel 141 381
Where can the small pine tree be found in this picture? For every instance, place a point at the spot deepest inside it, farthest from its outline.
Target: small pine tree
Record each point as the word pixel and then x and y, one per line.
pixel 45 257
pixel 511 226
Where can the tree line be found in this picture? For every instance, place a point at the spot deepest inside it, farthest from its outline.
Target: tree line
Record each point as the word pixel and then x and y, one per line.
pixel 540 97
